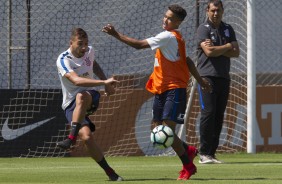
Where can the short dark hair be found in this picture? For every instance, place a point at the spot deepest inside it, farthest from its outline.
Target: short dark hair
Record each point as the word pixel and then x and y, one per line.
pixel 178 11
pixel 215 3
pixel 78 32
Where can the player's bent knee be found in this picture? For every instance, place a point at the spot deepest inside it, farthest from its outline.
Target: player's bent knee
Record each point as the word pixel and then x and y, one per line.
pixel 80 97
pixel 85 137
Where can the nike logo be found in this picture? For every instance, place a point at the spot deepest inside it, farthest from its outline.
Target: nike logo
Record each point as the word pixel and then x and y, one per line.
pixel 11 134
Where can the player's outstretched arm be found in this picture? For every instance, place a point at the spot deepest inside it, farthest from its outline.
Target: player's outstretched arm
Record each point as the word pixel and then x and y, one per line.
pixel 87 82
pixel 137 44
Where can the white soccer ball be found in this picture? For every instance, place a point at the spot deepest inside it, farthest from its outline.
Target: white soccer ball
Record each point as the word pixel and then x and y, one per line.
pixel 162 136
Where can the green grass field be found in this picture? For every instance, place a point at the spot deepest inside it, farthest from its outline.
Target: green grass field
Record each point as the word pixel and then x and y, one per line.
pixel 238 168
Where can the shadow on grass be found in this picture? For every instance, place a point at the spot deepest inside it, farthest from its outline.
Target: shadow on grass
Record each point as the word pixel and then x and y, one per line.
pixel 150 179
pixel 206 179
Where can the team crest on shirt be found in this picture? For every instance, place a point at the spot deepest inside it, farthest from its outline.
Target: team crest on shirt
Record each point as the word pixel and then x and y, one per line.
pixel 226 32
pixel 85 75
pixel 88 62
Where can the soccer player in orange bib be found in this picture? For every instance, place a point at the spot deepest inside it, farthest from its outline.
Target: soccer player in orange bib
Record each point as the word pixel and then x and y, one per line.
pixel 169 80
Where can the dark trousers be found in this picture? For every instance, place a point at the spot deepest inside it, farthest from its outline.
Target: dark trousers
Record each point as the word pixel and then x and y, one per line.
pixel 213 106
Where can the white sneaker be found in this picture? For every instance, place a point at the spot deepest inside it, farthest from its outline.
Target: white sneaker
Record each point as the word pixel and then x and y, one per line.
pixel 206 159
pixel 216 161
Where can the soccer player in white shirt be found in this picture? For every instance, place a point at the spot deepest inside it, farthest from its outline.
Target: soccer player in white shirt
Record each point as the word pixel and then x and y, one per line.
pixel 76 67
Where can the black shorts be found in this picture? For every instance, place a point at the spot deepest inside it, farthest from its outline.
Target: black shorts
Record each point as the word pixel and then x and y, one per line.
pixel 170 105
pixel 86 122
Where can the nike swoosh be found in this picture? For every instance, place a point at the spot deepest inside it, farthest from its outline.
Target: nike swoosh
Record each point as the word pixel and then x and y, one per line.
pixel 11 134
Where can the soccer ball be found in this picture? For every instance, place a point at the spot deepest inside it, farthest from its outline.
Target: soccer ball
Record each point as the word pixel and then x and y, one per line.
pixel 162 136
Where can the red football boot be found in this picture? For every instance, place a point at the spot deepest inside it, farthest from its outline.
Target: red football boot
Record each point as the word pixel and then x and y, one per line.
pixel 187 171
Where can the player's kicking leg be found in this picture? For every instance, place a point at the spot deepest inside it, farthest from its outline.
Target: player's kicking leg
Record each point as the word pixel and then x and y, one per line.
pixel 95 152
pixel 186 155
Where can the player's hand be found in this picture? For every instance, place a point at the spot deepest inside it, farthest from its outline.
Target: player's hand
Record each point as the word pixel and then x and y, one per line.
pixel 206 86
pixel 109 29
pixel 110 86
pixel 111 81
pixel 109 90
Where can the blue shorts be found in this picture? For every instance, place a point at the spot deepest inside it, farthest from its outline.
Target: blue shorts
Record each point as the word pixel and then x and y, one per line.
pixel 170 105
pixel 86 122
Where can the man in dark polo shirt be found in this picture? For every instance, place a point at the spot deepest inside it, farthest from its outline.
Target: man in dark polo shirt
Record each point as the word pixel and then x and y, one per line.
pixel 216 45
